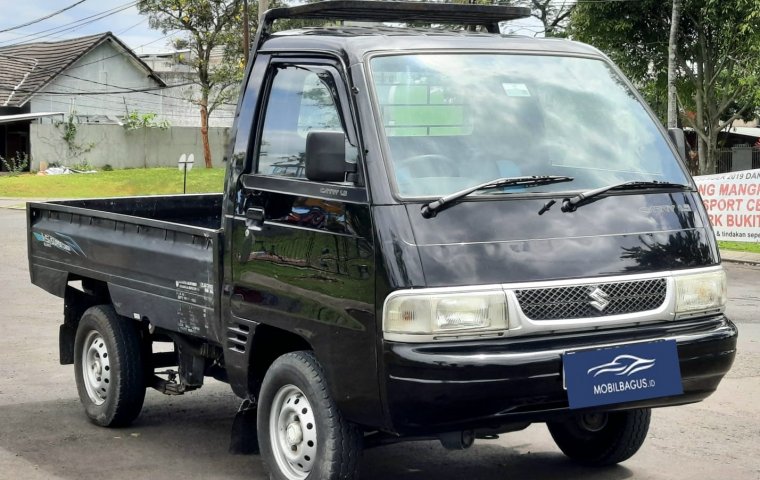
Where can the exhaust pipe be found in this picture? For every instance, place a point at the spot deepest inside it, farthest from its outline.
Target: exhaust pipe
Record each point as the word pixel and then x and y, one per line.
pixel 457 440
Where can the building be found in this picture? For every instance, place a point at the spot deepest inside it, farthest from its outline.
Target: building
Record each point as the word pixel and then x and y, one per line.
pixel 175 68
pixel 95 79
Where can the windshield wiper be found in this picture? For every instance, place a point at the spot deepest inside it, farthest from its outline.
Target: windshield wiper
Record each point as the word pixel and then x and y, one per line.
pixel 430 210
pixel 571 204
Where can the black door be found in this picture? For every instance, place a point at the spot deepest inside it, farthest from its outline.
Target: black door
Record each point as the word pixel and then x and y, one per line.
pixel 303 253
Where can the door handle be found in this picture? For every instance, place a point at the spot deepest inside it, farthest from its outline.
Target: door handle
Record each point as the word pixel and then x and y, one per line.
pixel 254 218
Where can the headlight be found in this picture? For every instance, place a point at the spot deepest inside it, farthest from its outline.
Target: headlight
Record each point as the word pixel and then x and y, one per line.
pixel 700 292
pixel 445 313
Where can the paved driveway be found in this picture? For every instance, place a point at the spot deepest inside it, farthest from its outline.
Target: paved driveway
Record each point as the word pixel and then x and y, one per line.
pixel 44 434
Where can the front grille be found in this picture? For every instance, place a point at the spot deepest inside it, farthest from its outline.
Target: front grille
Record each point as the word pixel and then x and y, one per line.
pixel 556 303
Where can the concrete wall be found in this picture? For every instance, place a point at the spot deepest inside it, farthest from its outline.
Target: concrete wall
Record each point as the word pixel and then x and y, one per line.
pixel 111 144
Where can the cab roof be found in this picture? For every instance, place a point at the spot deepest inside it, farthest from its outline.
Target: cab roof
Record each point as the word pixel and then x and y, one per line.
pixel 355 42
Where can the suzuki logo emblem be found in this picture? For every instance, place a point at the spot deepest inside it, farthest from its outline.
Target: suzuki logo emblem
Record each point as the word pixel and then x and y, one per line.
pixel 600 300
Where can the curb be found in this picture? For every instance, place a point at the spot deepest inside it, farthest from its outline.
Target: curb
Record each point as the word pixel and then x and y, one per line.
pixel 741 261
pixel 11 203
pixel 13 206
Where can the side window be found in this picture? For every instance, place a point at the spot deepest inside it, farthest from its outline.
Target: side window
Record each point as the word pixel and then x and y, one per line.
pixel 299 101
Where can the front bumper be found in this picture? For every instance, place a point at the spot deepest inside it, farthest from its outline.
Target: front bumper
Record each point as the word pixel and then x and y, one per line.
pixel 442 387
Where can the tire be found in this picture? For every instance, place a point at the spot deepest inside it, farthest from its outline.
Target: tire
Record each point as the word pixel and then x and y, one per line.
pixel 302 434
pixel 108 366
pixel 602 439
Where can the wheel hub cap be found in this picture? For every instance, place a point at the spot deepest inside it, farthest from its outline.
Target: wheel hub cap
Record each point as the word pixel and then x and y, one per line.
pixel 293 433
pixel 96 368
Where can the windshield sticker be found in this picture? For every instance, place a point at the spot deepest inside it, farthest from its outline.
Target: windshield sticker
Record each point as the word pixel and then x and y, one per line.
pixel 516 89
pixel 60 241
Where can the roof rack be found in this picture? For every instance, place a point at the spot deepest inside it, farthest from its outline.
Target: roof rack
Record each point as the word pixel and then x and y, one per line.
pixel 487 16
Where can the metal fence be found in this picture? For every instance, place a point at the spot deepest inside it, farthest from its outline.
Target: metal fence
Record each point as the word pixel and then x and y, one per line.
pixel 725 161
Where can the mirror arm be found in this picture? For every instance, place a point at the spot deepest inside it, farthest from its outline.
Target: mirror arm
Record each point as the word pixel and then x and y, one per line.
pixel 352 174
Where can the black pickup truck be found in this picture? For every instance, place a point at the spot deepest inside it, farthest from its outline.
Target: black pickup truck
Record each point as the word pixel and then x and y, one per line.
pixel 424 233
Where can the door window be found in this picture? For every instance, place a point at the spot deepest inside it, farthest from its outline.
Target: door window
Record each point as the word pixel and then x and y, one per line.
pixel 299 101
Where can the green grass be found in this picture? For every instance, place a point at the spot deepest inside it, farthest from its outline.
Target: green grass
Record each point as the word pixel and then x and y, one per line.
pixel 118 183
pixel 740 246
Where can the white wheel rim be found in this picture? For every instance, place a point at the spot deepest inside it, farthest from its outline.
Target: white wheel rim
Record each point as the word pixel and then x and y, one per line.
pixel 96 368
pixel 293 432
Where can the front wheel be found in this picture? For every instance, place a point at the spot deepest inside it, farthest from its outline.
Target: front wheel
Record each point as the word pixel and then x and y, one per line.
pixel 302 434
pixel 108 366
pixel 599 439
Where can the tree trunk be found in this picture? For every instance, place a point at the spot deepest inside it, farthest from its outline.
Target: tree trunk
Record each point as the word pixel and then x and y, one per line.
pixel 703 154
pixel 204 133
pixel 699 122
pixel 672 94
pixel 246 33
pixel 712 150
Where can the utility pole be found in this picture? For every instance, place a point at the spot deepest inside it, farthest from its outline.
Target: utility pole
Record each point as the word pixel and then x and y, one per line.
pixel 672 44
pixel 246 32
pixel 263 7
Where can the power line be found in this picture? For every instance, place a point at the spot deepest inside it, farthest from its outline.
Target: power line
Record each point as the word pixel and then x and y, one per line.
pixel 69 26
pixel 113 92
pixel 146 91
pixel 121 110
pixel 117 86
pixel 72 29
pixel 135 101
pixel 55 69
pixel 38 20
pixel 123 98
pixel 62 32
pixel 133 26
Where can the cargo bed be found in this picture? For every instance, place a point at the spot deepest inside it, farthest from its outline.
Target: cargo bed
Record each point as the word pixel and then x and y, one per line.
pixel 158 255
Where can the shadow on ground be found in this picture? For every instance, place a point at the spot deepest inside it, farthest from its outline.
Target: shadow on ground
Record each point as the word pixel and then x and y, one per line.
pixel 187 438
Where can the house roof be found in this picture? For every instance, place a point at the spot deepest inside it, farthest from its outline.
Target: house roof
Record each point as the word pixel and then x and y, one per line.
pixel 746 131
pixel 27 68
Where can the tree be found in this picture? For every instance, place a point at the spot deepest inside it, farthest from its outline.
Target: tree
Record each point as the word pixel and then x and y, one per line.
pixel 675 20
pixel 208 24
pixel 718 58
pixel 553 14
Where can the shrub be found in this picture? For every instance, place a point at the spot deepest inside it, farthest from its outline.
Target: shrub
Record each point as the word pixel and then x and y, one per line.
pixel 16 164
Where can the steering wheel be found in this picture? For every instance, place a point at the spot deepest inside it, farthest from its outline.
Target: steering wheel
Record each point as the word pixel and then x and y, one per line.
pixel 429 165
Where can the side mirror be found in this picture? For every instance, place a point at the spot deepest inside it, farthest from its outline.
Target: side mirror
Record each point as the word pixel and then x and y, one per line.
pixel 326 156
pixel 679 140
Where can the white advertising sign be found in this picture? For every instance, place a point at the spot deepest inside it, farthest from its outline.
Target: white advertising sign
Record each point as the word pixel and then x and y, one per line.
pixel 732 201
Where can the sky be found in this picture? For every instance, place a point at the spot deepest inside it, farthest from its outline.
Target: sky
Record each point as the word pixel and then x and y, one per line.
pixel 131 27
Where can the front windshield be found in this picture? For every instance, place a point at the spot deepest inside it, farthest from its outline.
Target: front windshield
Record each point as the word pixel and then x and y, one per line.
pixel 453 121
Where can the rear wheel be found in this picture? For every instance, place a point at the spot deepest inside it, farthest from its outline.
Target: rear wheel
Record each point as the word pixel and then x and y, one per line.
pixel 302 434
pixel 599 439
pixel 108 366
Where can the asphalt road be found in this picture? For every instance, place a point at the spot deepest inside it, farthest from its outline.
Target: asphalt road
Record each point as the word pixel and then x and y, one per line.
pixel 45 435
